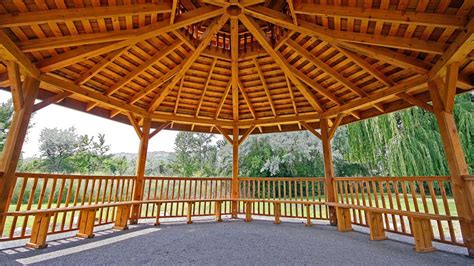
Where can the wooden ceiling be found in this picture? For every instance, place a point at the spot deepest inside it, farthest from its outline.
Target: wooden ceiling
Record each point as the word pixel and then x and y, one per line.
pixel 211 65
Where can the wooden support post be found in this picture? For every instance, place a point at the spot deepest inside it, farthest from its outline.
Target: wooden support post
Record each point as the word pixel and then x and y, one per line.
pixel 423 234
pixel 248 211
pixel 328 169
pixel 158 214
pixel 40 231
pixel 375 221
pixel 235 171
pixel 141 163
pixel 86 223
pixel 308 215
pixel 277 212
pixel 457 166
pixel 218 211
pixel 14 143
pixel 121 217
pixel 344 223
pixel 190 211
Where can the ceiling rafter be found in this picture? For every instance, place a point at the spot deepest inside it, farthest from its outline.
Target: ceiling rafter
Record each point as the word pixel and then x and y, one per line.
pixel 222 101
pixel 83 13
pixel 261 37
pixel 265 86
pixel 159 55
pixel 383 16
pixel 310 29
pixel 247 100
pixel 206 37
pixel 234 53
pixel 206 85
pixel 152 30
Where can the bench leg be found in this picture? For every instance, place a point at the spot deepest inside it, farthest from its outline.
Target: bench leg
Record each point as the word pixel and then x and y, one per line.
pixel 190 208
pixel 218 211
pixel 158 214
pixel 277 212
pixel 344 223
pixel 375 221
pixel 121 217
pixel 308 216
pixel 40 231
pixel 86 223
pixel 423 234
pixel 248 211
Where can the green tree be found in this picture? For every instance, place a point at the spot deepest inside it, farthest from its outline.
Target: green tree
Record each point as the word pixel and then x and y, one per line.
pixel 57 146
pixel 6 114
pixel 195 155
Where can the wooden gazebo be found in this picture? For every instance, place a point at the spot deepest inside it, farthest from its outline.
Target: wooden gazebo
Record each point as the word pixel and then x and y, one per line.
pixel 237 68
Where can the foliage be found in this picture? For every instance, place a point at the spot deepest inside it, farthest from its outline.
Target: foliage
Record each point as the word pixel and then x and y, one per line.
pixel 65 151
pixel 407 143
pixel 6 114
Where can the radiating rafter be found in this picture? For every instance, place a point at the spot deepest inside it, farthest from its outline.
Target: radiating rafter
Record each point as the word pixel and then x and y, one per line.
pixel 261 37
pixel 265 86
pixel 222 101
pixel 205 38
pixel 206 85
pixel 159 55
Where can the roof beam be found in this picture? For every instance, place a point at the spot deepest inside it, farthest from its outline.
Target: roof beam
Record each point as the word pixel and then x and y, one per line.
pixel 203 94
pixel 16 89
pixel 152 30
pixel 265 87
pixel 222 101
pixel 206 37
pixel 261 37
pixel 378 96
pixel 103 63
pixel 71 14
pixel 247 100
pixel 331 36
pixel 234 54
pixel 91 95
pixel 382 16
pixel 321 33
pixel 457 51
pixel 53 99
pixel 9 51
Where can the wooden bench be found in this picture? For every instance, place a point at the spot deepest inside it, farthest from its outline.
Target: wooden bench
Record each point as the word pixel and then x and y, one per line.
pixel 420 223
pixel 277 208
pixel 190 203
pixel 86 220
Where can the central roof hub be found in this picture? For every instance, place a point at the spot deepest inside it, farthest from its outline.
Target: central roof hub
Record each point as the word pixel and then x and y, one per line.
pixel 234 10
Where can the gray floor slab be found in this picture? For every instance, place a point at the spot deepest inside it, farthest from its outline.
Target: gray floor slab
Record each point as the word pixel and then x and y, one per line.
pixel 232 242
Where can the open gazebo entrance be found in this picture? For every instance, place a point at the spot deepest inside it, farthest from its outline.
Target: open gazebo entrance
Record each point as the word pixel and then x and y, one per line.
pixel 238 68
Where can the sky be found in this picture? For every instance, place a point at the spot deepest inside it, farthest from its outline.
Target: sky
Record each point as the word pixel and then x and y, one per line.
pixel 120 137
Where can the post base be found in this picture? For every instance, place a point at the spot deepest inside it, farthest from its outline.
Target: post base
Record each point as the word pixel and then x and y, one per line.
pixel 85 235
pixel 120 227
pixel 36 246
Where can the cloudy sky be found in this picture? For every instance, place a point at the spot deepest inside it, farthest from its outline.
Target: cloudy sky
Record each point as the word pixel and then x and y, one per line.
pixel 121 137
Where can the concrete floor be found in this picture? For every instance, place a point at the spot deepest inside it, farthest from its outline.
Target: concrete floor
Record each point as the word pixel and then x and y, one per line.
pixel 232 242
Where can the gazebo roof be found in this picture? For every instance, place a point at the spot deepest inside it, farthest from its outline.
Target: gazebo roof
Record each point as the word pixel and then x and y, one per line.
pixel 210 65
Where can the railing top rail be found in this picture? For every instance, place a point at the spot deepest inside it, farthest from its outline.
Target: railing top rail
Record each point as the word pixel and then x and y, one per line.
pixel 71 176
pixel 188 178
pixel 282 178
pixel 394 178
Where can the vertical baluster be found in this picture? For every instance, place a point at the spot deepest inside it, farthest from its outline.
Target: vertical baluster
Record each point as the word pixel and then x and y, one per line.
pixel 397 197
pixel 414 196
pixel 434 201
pixel 58 202
pixel 390 202
pixel 68 197
pixel 447 211
pixel 18 205
pixel 384 205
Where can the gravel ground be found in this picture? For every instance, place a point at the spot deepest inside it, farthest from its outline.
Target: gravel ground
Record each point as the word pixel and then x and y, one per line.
pixel 232 242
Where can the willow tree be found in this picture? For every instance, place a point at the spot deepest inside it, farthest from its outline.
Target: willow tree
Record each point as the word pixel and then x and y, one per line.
pixel 407 143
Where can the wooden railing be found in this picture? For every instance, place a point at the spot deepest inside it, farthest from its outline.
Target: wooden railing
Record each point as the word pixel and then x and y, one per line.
pixel 290 188
pixel 176 188
pixel 45 191
pixel 415 194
